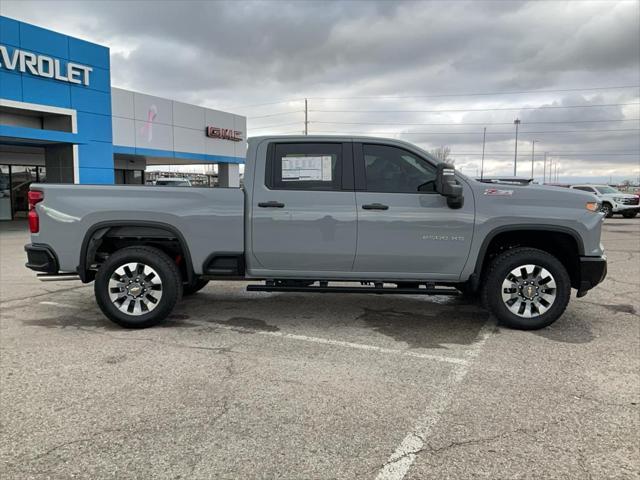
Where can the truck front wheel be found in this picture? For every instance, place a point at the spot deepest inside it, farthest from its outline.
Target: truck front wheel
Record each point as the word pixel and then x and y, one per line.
pixel 137 287
pixel 526 288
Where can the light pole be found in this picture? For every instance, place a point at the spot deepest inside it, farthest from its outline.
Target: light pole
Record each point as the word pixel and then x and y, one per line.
pixel 544 169
pixel 533 149
pixel 516 122
pixel 484 137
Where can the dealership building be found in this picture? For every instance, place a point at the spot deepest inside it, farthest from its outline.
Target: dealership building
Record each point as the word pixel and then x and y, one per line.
pixel 62 122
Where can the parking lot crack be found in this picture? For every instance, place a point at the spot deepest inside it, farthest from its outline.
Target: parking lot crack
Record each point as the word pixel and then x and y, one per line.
pixel 462 443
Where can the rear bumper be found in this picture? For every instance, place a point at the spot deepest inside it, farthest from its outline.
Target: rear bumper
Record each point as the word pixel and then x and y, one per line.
pixel 593 270
pixel 41 258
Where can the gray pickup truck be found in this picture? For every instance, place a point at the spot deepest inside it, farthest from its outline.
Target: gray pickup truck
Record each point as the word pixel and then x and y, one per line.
pixel 324 214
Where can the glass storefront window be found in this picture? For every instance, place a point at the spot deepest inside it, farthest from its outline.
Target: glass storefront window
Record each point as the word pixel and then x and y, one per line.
pixel 134 177
pixel 5 193
pixel 118 176
pixel 130 177
pixel 21 178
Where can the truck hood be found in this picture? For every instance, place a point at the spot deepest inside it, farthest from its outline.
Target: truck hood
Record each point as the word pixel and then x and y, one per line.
pixel 541 196
pixel 618 195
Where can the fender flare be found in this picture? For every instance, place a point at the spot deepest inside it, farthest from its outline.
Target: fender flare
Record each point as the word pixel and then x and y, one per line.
pixel 106 225
pixel 520 227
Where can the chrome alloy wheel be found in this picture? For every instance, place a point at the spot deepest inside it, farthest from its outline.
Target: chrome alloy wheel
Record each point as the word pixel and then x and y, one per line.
pixel 529 290
pixel 135 288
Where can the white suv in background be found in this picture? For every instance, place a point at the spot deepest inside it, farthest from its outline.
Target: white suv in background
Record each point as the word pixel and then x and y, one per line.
pixel 613 201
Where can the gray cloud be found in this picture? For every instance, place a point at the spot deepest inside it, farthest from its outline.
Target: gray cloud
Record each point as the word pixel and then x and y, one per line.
pixel 224 54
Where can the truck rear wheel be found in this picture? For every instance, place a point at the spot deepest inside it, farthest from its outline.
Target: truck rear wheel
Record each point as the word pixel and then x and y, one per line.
pixel 526 288
pixel 137 287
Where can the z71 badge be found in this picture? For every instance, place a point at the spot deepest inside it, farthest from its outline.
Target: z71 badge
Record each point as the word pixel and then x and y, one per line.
pixel 498 192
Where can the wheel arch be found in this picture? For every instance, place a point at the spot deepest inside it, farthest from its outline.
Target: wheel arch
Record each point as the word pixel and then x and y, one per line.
pixel 141 231
pixel 562 242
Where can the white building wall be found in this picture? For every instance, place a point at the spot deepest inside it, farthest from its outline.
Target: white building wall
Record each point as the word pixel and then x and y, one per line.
pixel 145 121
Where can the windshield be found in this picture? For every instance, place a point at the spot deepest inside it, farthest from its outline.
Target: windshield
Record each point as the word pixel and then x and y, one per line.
pixel 605 190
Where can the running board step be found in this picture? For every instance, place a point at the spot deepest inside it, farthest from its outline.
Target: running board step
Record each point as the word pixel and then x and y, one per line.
pixel 379 291
pixel 57 277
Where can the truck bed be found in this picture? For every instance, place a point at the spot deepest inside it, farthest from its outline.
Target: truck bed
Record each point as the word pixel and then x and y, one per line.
pixel 209 219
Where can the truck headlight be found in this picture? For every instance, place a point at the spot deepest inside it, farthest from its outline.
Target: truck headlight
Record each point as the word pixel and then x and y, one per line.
pixel 593 206
pixel 617 199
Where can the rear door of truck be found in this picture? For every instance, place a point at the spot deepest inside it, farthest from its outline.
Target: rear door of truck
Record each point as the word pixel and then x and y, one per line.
pixel 304 208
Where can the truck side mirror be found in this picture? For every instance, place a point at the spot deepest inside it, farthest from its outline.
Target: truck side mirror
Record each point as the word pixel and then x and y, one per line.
pixel 448 186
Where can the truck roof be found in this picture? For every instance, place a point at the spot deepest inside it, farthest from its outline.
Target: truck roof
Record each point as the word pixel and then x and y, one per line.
pixel 344 138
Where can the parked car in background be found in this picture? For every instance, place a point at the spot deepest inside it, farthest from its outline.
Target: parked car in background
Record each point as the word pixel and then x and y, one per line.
pixel 173 182
pixel 613 200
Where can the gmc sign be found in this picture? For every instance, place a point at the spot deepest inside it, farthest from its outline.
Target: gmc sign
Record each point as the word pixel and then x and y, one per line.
pixel 224 134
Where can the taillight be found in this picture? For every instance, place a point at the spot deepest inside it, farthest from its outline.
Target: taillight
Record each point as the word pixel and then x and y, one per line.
pixel 34 197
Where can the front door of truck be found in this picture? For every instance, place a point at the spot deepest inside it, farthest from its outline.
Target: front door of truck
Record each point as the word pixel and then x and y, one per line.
pixel 404 226
pixel 303 210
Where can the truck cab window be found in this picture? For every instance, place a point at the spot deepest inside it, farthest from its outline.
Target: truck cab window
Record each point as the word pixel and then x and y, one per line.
pixel 305 166
pixel 394 170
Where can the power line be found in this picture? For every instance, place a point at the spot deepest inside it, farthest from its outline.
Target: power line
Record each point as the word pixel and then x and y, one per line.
pixel 274 126
pixel 479 123
pixel 277 114
pixel 555 154
pixel 617 87
pixel 477 109
pixel 441 95
pixel 488 133
pixel 265 104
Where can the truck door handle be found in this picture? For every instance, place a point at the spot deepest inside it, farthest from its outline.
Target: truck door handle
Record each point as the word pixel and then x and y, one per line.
pixel 271 204
pixel 375 206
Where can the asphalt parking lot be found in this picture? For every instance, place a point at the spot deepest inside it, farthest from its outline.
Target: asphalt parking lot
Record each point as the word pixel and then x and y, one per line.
pixel 302 386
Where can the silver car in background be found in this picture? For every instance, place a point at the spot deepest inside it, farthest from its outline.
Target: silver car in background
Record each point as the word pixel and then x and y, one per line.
pixel 613 200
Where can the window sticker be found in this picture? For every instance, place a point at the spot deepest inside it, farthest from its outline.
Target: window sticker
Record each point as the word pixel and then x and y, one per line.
pixel 302 169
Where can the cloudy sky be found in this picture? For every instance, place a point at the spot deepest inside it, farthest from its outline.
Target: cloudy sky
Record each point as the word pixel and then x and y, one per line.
pixel 433 73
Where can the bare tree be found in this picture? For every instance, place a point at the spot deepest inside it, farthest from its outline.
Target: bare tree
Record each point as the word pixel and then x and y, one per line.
pixel 443 154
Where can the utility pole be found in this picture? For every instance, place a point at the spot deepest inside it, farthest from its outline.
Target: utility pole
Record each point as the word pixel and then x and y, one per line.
pixel 306 118
pixel 533 149
pixel 544 169
pixel 516 122
pixel 484 138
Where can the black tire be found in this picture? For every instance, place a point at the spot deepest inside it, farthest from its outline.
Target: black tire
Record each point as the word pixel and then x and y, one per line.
pixel 629 214
pixel 193 287
pixel 169 278
pixel 501 267
pixel 607 209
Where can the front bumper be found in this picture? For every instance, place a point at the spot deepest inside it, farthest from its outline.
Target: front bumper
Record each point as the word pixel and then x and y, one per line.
pixel 624 208
pixel 627 209
pixel 593 270
pixel 41 258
